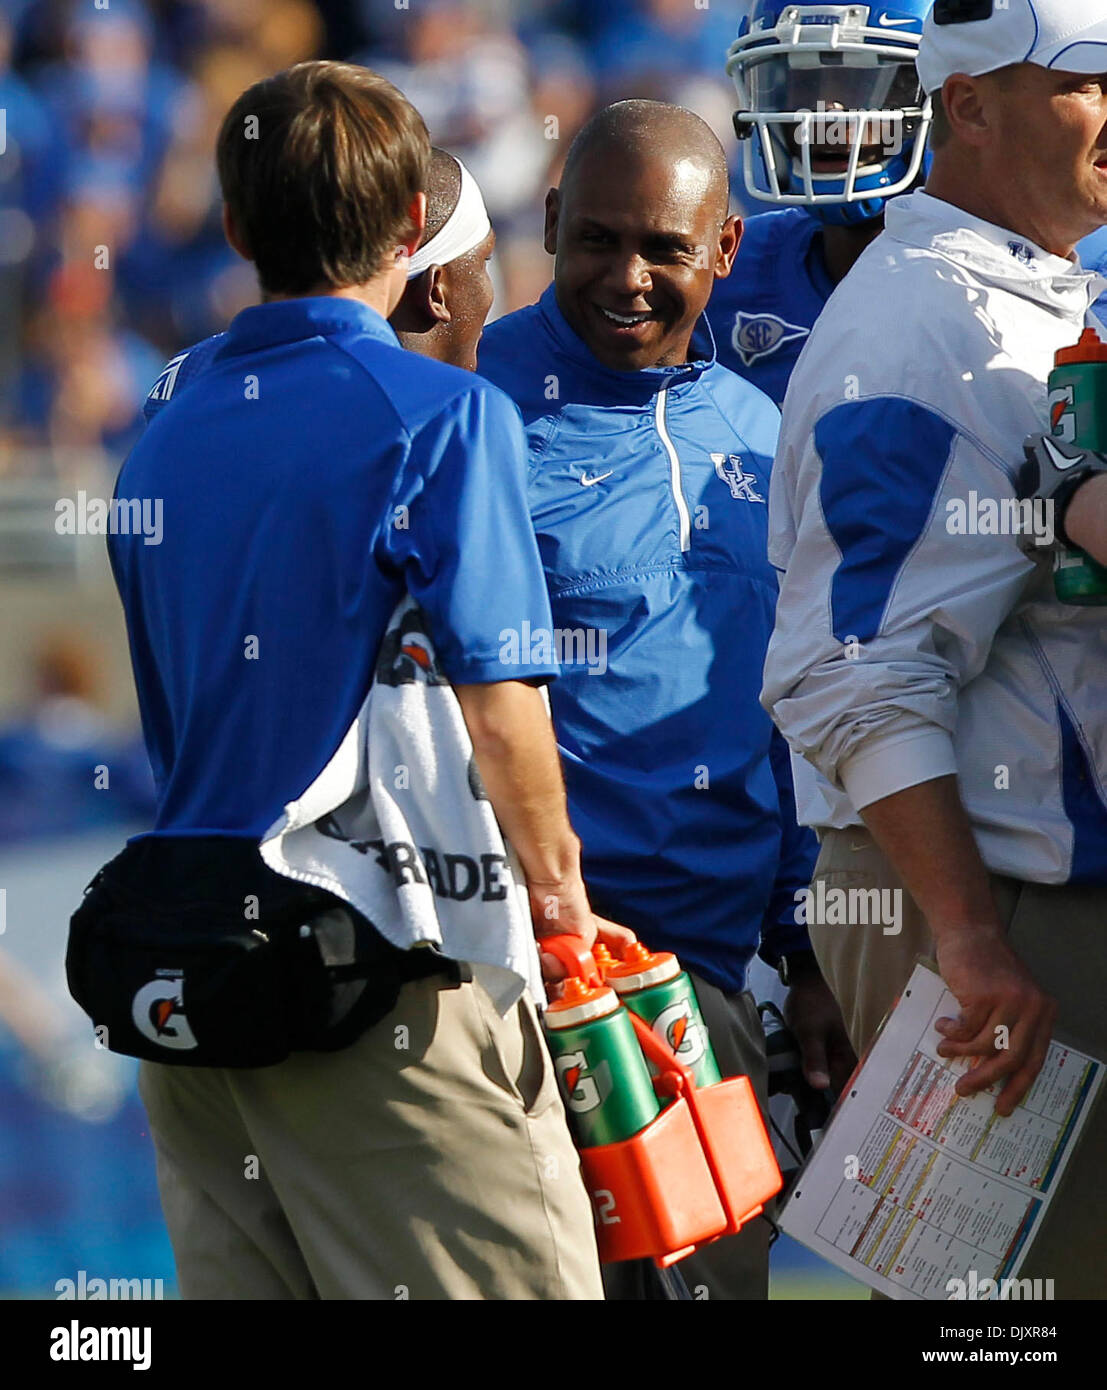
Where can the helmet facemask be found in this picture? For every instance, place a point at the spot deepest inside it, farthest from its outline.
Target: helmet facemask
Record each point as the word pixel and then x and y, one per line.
pixel 833 112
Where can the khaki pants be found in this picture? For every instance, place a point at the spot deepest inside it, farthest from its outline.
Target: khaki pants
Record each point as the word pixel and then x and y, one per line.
pixel 736 1267
pixel 429 1160
pixel 1060 934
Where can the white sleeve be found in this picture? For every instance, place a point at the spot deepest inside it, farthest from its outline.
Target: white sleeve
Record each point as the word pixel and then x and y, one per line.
pixel 888 604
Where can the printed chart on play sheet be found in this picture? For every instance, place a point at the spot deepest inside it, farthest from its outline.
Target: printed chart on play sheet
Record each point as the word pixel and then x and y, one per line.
pixel 913 1186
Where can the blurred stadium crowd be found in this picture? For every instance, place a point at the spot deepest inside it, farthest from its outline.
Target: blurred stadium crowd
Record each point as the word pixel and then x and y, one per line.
pixel 111 120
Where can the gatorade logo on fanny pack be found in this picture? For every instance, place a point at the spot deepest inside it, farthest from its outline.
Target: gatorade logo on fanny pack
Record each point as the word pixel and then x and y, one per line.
pixel 158 1013
pixel 677 1026
pixel 583 1090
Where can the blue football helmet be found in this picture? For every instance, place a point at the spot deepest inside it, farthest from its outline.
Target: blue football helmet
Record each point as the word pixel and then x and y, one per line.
pixel 832 115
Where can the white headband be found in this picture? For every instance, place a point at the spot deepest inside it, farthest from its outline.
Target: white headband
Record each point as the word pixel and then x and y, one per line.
pixel 465 229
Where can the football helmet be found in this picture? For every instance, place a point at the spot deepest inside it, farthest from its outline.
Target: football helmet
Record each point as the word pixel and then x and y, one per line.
pixel 832 115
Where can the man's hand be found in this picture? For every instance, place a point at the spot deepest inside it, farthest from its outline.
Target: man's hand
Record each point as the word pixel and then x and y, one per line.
pixel 929 839
pixel 813 1015
pixel 559 907
pixel 1086 518
pixel 1006 1020
pixel 1055 474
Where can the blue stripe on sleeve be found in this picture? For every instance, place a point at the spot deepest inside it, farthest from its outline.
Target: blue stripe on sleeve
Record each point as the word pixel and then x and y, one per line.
pixel 1082 806
pixel 882 464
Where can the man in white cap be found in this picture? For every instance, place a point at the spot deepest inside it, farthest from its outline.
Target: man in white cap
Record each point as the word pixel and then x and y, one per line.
pixel 949 712
pixel 449 291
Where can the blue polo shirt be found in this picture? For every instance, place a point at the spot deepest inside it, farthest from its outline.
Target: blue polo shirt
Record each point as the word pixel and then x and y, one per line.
pixel 311 474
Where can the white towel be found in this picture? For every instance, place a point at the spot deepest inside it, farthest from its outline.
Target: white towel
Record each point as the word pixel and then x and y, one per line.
pixel 399 826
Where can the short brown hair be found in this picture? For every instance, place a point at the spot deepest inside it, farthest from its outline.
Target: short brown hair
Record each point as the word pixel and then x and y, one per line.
pixel 318 167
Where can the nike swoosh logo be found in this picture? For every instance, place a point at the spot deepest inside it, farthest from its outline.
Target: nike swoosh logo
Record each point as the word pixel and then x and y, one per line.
pixel 586 481
pixel 886 23
pixel 1061 461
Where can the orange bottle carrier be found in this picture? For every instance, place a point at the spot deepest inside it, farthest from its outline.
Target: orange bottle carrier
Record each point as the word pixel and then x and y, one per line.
pixel 702 1169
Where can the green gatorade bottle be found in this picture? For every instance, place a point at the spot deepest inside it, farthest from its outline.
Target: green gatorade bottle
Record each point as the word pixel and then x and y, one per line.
pixel 604 1081
pixel 661 994
pixel 1078 415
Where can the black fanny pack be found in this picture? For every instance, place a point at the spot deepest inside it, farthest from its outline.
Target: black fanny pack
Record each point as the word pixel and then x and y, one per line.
pixel 193 952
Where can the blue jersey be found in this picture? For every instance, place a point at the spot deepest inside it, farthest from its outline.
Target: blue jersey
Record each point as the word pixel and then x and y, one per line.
pixel 178 372
pixel 312 473
pixel 763 312
pixel 648 493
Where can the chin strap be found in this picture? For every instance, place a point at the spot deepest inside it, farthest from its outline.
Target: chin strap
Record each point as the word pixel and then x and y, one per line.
pixel 848 214
pixel 866 209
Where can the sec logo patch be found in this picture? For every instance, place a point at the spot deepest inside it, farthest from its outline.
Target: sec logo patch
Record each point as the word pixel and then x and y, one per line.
pixel 760 335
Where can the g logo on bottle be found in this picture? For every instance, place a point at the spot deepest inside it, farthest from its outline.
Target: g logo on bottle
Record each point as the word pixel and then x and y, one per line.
pixel 158 1013
pixel 678 1027
pixel 583 1090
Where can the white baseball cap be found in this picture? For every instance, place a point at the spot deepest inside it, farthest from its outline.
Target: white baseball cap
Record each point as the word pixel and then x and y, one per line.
pixel 1068 35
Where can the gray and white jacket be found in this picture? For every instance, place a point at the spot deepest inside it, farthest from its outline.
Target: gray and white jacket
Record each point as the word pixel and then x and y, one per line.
pixel 914 638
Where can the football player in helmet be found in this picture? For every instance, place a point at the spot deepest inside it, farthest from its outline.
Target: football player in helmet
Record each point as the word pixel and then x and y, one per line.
pixel 832 123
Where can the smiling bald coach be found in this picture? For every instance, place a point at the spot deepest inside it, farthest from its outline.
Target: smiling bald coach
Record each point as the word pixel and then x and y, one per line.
pixel 649 473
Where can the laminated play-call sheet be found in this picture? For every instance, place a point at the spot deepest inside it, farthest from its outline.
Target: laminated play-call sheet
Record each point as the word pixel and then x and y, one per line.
pixel 913 1187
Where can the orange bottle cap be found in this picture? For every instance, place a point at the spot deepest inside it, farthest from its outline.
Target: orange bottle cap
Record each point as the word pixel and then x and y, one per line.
pixel 1090 348
pixel 603 958
pixel 641 967
pixel 580 1003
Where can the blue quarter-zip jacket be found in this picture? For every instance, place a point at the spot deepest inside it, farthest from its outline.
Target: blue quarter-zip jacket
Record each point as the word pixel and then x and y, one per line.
pixel 648 494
